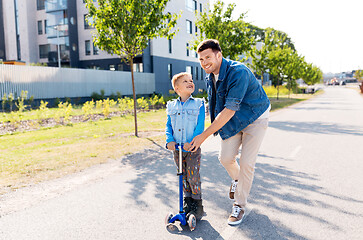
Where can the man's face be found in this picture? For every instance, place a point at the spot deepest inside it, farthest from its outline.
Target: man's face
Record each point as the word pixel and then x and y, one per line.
pixel 210 61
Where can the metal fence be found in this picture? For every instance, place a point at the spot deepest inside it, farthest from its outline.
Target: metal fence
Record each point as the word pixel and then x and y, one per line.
pixel 50 82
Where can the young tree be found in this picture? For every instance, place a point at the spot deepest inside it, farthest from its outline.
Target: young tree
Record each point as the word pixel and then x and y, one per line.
pixel 270 40
pixel 124 28
pixel 235 36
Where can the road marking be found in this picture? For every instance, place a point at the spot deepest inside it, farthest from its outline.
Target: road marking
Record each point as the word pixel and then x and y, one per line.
pixel 296 150
pixel 229 230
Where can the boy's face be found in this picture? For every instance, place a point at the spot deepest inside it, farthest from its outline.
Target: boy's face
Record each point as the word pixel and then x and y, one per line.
pixel 210 61
pixel 184 85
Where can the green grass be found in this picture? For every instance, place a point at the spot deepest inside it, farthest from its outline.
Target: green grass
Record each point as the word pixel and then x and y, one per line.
pixel 31 157
pixel 48 153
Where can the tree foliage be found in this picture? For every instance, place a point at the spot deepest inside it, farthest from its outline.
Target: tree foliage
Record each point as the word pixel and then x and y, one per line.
pixel 235 36
pixel 359 75
pixel 124 28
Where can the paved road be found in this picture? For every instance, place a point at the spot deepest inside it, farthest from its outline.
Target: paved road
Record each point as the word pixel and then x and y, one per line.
pixel 308 185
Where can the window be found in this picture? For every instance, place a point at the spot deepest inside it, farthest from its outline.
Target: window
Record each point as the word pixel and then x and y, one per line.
pixel 95 49
pixel 187 49
pixel 189 5
pixel 120 67
pixel 88 21
pixel 188 69
pixel 44 50
pixel 195 5
pixel 169 42
pixel 138 67
pixel 201 73
pixel 200 7
pixel 40 4
pixel 88 47
pixel 40 28
pixel 196 29
pixel 170 71
pixel 196 73
pixel 189 27
pixel 111 67
pixel 45 26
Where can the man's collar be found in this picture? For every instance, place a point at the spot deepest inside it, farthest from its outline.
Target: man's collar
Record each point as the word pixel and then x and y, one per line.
pixel 222 71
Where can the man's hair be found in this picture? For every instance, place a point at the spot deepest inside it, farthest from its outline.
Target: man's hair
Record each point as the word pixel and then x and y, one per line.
pixel 209 43
pixel 178 76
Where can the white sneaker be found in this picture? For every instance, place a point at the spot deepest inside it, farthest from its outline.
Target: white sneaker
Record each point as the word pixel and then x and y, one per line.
pixel 237 215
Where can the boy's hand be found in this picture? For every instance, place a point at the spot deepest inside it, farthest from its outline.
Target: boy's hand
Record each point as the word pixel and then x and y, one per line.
pixel 187 146
pixel 171 146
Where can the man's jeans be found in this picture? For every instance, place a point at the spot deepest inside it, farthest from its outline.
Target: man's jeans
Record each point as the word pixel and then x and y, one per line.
pixel 250 138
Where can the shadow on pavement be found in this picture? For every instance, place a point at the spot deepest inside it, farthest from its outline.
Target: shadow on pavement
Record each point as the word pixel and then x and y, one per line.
pixel 316 128
pixel 156 166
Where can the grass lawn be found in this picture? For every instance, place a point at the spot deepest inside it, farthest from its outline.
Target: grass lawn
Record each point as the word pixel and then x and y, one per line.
pixel 31 157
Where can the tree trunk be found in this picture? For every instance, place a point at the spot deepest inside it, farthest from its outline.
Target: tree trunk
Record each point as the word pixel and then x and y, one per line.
pixel 133 91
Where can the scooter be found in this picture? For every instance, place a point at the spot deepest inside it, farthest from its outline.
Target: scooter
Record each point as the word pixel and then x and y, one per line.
pixel 184 218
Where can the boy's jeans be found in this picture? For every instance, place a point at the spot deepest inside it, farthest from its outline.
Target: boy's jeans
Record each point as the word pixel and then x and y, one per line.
pixel 250 138
pixel 191 176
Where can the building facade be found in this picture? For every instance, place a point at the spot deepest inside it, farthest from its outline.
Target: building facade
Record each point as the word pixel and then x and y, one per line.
pixel 33 30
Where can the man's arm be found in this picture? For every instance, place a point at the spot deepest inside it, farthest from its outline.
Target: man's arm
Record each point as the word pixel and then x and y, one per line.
pixel 221 119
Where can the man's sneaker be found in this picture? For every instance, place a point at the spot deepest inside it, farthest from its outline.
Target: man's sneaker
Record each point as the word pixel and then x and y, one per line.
pixel 197 208
pixel 237 215
pixel 187 207
pixel 232 189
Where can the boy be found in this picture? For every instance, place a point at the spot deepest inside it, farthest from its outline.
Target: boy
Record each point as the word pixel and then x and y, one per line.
pixel 185 121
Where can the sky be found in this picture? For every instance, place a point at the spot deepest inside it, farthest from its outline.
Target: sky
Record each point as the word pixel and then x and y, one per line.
pixel 329 33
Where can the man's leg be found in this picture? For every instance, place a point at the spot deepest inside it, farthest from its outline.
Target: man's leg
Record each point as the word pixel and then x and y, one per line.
pixel 252 138
pixel 228 155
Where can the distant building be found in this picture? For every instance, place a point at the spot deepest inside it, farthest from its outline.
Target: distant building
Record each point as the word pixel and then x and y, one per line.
pixel 31 31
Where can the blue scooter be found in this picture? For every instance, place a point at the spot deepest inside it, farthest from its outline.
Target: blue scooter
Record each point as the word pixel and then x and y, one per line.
pixel 184 218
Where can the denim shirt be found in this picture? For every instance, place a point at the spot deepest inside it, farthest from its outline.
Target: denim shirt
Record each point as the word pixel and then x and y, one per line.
pixel 236 89
pixel 185 120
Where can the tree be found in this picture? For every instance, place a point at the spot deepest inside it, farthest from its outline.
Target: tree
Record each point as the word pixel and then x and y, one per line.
pixel 270 40
pixel 359 75
pixel 293 69
pixel 277 61
pixel 311 74
pixel 124 28
pixel 235 36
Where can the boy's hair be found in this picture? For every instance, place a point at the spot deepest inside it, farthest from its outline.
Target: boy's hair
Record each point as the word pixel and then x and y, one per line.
pixel 209 43
pixel 176 77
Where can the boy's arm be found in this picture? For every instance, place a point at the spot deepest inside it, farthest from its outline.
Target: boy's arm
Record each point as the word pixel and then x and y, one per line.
pixel 200 123
pixel 169 135
pixel 200 126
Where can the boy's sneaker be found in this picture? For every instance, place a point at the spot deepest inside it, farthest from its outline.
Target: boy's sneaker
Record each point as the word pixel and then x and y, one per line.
pixel 232 189
pixel 197 208
pixel 187 207
pixel 237 215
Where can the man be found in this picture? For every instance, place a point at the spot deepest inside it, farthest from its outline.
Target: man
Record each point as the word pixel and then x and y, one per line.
pixel 239 109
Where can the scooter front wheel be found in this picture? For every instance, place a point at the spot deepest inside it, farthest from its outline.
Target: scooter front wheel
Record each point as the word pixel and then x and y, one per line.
pixel 168 217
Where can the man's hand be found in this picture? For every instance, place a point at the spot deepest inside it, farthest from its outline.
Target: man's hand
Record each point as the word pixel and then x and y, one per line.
pixel 171 146
pixel 187 146
pixel 196 142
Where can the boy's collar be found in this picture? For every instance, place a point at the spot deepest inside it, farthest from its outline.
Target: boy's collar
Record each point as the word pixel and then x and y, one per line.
pixel 190 97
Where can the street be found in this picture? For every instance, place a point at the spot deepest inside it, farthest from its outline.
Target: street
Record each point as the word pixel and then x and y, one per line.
pixel 308 185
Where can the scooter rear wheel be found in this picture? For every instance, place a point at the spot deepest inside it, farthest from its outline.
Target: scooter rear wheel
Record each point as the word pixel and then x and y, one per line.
pixel 192 221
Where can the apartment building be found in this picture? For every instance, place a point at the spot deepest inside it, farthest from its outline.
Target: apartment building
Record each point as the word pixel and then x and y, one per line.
pixel 33 30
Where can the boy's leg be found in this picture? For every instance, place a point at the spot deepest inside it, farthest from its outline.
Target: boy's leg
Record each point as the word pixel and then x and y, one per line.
pixel 186 186
pixel 193 177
